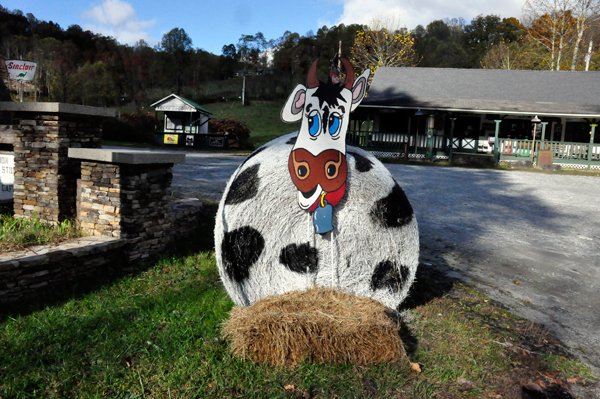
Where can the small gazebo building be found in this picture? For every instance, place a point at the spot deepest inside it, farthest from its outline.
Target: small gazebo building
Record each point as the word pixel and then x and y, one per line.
pixel 185 124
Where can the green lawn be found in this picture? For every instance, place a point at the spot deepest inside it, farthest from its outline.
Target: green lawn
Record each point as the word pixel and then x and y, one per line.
pixel 156 334
pixel 262 118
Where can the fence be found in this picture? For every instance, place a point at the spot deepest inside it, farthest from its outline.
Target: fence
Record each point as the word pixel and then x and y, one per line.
pixel 405 142
pixel 576 155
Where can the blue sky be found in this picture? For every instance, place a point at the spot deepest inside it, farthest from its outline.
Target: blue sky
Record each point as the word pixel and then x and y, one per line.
pixel 213 24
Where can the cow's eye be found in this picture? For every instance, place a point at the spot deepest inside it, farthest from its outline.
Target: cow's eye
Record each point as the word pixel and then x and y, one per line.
pixel 302 171
pixel 331 171
pixel 332 167
pixel 335 121
pixel 314 124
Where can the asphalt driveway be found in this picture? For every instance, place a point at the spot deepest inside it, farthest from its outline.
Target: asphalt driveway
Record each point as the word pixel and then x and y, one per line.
pixel 530 240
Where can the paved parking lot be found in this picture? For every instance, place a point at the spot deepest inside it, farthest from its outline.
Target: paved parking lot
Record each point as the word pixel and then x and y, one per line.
pixel 531 240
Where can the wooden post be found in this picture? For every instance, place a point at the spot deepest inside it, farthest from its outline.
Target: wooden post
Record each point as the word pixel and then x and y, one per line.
pixel 451 139
pixel 591 145
pixel 543 143
pixel 496 144
pixel 407 139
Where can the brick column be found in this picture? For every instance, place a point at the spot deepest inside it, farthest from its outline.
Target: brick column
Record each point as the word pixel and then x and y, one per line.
pixel 45 178
pixel 125 194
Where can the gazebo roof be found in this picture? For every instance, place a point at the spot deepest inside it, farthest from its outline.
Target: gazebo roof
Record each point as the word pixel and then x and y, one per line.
pixel 556 93
pixel 173 102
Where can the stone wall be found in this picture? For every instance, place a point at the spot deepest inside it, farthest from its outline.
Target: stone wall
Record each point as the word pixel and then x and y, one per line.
pixel 127 201
pixel 45 177
pixel 28 273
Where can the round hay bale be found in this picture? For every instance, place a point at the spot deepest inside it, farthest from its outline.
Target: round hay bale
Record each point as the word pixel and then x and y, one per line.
pixel 267 245
pixel 319 325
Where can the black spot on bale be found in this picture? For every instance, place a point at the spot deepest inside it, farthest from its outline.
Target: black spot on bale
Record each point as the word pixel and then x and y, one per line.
pixel 363 164
pixel 392 211
pixel 292 140
pixel 240 249
pixel 244 187
pixel 386 275
pixel 299 258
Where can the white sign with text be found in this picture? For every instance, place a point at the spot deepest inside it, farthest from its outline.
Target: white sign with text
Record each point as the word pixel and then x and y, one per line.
pixel 20 70
pixel 7 176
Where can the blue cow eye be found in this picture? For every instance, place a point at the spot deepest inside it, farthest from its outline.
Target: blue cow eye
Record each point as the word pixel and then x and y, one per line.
pixel 313 124
pixel 334 124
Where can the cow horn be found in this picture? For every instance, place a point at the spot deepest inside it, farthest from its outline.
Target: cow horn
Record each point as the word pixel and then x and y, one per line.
pixel 349 73
pixel 312 80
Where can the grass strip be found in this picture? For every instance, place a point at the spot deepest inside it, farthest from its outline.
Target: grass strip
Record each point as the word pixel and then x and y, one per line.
pixel 17 234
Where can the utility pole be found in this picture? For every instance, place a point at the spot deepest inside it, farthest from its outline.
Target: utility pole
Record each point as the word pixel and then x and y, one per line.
pixel 244 80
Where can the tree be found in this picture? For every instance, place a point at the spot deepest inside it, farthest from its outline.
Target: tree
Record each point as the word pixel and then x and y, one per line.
pixel 178 45
pixel 442 44
pixel 505 56
pixel 586 14
pixel 176 41
pixel 550 24
pixel 384 42
pixel 250 49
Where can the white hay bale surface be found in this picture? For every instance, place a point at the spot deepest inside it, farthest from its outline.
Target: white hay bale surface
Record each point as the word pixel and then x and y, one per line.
pixel 266 245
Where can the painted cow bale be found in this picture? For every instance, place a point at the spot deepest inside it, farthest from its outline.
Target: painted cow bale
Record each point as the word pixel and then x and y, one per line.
pixel 267 245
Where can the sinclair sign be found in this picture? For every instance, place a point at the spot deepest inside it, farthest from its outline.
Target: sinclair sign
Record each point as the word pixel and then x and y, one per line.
pixel 20 70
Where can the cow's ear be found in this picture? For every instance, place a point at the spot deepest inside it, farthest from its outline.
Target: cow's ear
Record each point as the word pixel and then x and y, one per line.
pixel 359 88
pixel 292 110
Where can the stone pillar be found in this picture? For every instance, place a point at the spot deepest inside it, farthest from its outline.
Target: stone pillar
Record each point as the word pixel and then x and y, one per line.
pixel 125 194
pixel 45 178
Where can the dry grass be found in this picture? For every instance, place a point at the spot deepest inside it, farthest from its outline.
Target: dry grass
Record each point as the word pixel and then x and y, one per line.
pixel 318 325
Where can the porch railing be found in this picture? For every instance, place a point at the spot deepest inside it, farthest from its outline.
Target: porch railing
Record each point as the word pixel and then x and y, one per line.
pixel 382 141
pixel 584 154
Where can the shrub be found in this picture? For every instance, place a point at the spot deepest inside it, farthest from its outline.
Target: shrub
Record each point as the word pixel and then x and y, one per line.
pixel 230 126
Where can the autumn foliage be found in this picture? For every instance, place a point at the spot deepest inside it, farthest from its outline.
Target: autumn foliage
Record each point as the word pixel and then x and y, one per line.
pixel 383 43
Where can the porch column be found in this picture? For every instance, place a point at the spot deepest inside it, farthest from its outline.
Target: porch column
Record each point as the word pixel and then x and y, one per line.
pixel 451 138
pixel 543 142
pixel 591 145
pixel 563 123
pixel 496 144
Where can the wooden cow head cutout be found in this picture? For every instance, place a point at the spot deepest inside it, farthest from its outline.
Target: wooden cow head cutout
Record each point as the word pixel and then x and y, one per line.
pixel 317 163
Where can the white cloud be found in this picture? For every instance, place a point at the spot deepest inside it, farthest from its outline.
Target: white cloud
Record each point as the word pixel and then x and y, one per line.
pixel 117 18
pixel 423 12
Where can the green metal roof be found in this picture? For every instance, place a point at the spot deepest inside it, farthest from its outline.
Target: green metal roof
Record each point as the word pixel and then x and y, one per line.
pixel 185 100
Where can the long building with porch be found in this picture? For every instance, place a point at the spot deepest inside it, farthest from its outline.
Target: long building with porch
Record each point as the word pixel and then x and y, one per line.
pixel 433 112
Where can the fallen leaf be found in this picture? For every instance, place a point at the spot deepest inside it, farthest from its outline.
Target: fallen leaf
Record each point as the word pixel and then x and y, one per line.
pixel 572 380
pixel 517 282
pixel 540 383
pixel 290 388
pixel 416 367
pixel 532 388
